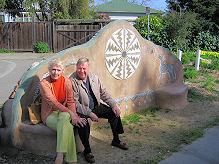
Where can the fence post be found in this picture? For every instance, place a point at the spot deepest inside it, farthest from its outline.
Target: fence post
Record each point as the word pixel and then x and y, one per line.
pixel 33 31
pixel 53 36
pixel 8 44
pixel 197 60
pixel 179 55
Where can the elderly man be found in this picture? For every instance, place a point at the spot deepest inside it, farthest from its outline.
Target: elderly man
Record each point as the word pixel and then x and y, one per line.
pixel 88 90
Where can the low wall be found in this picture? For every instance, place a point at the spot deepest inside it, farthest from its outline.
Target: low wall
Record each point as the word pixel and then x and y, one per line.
pixel 130 67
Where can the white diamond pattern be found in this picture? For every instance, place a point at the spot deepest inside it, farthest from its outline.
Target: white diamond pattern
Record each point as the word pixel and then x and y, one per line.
pixel 122 54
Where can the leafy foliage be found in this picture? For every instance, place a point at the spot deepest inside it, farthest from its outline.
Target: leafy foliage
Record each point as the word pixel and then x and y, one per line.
pixel 30 5
pixel 2 4
pixel 41 47
pixel 6 51
pixel 14 5
pixel 179 27
pixel 206 10
pixel 194 96
pixel 206 41
pixel 193 24
pixel 69 9
pixel 209 55
pixel 213 64
pixel 190 73
pixel 157 32
pixel 133 118
pixel 46 9
pixel 208 85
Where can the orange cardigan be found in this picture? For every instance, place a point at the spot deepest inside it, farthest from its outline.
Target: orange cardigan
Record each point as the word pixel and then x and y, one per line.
pixel 49 101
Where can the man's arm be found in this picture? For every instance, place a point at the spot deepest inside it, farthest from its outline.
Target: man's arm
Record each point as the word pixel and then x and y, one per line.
pixel 80 108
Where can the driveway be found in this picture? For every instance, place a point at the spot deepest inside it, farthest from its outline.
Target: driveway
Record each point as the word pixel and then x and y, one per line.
pixel 12 67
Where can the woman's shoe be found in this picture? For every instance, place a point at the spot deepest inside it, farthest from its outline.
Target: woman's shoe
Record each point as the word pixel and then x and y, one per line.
pixel 58 161
pixel 59 158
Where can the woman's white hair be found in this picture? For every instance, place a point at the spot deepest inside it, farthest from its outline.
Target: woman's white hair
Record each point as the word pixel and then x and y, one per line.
pixel 57 62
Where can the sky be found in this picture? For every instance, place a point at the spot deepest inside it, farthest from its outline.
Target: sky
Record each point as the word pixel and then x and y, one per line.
pixel 155 4
pixel 158 4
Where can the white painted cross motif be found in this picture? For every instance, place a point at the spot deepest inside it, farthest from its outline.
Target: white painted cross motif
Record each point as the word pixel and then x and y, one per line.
pixel 122 54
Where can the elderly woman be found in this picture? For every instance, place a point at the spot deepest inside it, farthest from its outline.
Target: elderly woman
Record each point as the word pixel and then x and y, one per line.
pixel 58 111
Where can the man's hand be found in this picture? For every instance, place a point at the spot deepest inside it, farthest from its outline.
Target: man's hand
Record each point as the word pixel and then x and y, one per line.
pixel 93 117
pixel 80 122
pixel 117 111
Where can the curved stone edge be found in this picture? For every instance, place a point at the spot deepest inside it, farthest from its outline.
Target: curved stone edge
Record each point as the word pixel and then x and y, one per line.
pixel 16 113
pixel 26 81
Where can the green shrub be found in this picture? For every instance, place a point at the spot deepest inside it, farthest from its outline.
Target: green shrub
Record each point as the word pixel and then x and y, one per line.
pixel 133 118
pixel 6 51
pixel 209 55
pixel 188 57
pixel 41 47
pixel 194 96
pixel 214 64
pixel 185 59
pixel 190 73
pixel 157 30
pixel 205 63
pixel 192 56
pixel 208 85
pixel 206 41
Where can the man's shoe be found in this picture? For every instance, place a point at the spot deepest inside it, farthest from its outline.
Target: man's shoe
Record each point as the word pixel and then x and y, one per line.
pixel 120 145
pixel 89 157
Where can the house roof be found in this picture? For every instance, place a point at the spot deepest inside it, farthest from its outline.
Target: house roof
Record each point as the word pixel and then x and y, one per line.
pixel 122 6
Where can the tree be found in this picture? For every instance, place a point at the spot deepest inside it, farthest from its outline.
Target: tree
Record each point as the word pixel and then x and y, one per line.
pixel 207 11
pixel 2 4
pixel 40 8
pixel 69 9
pixel 179 27
pixel 14 6
pixel 157 30
pixel 46 9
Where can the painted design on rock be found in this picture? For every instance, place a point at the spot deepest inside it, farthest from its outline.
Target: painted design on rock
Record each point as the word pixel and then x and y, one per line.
pixel 134 97
pixel 122 54
pixel 166 69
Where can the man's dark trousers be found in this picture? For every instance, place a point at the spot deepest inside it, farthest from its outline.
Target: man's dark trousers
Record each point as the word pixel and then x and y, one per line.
pixel 102 111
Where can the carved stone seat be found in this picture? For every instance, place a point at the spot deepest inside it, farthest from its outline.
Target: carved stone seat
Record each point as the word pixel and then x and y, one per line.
pixel 136 72
pixel 171 97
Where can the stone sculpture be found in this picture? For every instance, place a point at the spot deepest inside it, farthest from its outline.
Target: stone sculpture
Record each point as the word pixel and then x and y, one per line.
pixel 136 72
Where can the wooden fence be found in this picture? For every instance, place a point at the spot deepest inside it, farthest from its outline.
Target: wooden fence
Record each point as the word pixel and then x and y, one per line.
pixel 22 36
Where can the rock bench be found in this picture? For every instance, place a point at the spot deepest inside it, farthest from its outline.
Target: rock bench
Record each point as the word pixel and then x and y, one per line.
pixel 38 138
pixel 137 73
pixel 171 97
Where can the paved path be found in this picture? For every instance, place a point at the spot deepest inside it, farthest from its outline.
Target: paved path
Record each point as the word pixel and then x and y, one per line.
pixel 205 150
pixel 12 67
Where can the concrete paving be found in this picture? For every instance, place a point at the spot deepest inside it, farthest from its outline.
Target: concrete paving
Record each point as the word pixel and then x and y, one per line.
pixel 205 150
pixel 12 67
